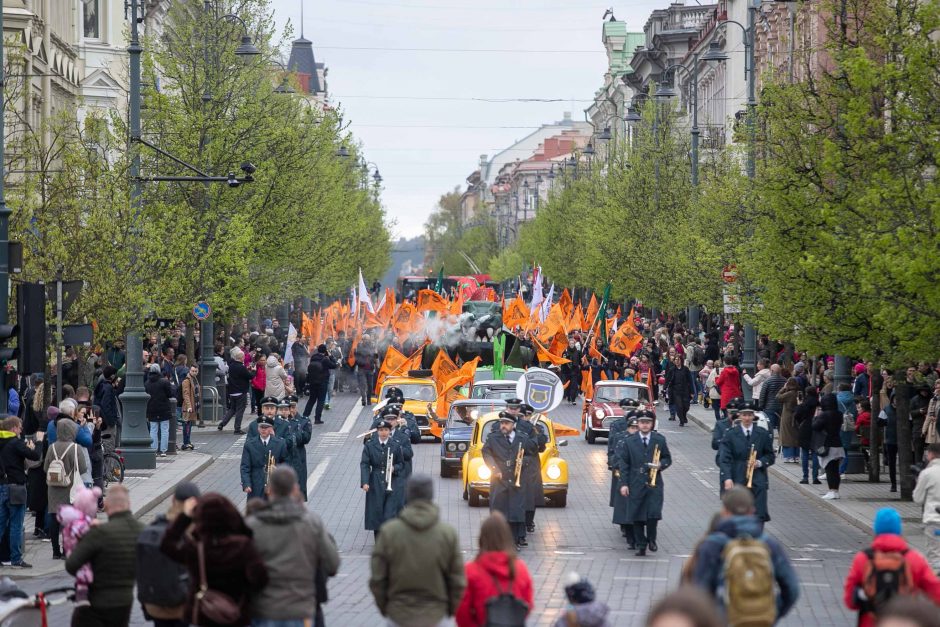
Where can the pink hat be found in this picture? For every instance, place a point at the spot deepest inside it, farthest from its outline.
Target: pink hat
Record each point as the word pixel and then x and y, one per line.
pixel 859 368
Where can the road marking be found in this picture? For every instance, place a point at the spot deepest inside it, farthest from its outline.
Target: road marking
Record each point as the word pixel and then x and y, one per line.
pixel 316 475
pixel 569 552
pixel 641 578
pixel 350 419
pixel 815 585
pixel 640 559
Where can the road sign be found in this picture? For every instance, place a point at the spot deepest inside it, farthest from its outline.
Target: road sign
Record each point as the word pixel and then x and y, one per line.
pixel 729 274
pixel 202 310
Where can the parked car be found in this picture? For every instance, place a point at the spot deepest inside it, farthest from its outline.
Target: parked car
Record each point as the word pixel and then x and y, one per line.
pixel 458 429
pixel 419 392
pixel 476 474
pixel 503 389
pixel 601 410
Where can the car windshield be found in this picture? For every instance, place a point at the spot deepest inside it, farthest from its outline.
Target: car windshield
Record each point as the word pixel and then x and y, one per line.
pixel 616 393
pixel 416 391
pixel 502 392
pixel 493 425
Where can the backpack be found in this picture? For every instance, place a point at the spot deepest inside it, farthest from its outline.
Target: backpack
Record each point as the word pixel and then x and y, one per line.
pixel 163 582
pixel 750 598
pixel 505 609
pixel 848 420
pixel 698 357
pixel 56 475
pixel 887 574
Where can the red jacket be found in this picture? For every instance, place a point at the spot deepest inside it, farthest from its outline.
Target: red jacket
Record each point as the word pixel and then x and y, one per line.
pixel 924 579
pixel 480 586
pixel 729 383
pixel 863 427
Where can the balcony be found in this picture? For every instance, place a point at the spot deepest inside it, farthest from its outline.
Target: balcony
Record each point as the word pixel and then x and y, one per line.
pixel 712 137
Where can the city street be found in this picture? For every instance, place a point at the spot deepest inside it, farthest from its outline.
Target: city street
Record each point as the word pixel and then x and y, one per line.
pixel 579 537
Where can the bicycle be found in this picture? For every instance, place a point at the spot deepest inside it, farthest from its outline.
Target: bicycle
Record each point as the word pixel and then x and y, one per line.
pixel 17 609
pixel 112 465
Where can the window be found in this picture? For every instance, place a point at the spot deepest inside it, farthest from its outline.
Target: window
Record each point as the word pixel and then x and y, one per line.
pixel 91 19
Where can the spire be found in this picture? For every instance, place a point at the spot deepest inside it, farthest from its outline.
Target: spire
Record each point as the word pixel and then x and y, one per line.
pixel 301 19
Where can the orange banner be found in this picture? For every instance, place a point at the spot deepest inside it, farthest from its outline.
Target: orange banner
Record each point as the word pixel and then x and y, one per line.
pixel 591 314
pixel 406 320
pixel 429 300
pixel 543 354
pixel 565 303
pixel 626 339
pixel 516 314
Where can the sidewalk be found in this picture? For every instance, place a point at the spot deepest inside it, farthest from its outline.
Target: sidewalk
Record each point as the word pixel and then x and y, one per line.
pixel 860 499
pixel 148 488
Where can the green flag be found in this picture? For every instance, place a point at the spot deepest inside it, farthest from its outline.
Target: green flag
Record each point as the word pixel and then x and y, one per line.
pixel 439 286
pixel 499 350
pixel 602 314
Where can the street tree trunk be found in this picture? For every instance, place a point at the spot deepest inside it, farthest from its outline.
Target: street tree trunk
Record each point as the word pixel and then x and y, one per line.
pixel 874 436
pixel 902 392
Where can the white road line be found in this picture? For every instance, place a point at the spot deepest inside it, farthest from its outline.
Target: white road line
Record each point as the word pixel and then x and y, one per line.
pixel 350 419
pixel 316 475
pixel 642 579
pixel 640 559
pixel 815 585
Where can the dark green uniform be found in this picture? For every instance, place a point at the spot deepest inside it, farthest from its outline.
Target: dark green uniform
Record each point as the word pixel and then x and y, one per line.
pixel 733 455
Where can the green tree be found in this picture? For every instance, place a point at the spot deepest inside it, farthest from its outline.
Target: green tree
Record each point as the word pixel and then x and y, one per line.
pixel 459 247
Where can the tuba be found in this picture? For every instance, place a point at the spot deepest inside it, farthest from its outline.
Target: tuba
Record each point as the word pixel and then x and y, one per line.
pixel 654 472
pixel 751 465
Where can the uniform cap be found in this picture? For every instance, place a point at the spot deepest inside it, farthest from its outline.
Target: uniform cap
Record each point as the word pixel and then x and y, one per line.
pixel 645 415
pixel 391 410
pixel 283 403
pixel 629 402
pixel 514 402
pixel 507 417
pixel 383 424
pixel 394 392
pixel 632 422
pixel 527 409
pixel 292 399
pixel 265 420
pixel 269 400
pixel 747 406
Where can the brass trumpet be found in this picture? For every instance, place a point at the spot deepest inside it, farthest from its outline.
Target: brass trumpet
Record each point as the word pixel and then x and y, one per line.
pixel 389 468
pixel 751 465
pixel 518 472
pixel 269 468
pixel 654 472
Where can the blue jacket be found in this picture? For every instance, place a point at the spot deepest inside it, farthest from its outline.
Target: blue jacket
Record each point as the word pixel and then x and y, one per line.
pixel 82 437
pixel 708 571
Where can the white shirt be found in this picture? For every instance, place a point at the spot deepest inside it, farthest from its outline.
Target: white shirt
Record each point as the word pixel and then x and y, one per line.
pixel 266 440
pixel 512 436
pixel 646 440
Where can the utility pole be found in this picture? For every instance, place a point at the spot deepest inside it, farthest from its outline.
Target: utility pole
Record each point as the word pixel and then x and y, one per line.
pixel 4 224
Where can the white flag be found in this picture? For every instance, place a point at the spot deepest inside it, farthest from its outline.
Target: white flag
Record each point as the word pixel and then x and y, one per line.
pixel 353 301
pixel 537 297
pixel 291 338
pixel 547 305
pixel 364 295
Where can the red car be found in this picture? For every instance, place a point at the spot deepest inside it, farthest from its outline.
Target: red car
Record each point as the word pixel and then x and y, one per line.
pixel 604 408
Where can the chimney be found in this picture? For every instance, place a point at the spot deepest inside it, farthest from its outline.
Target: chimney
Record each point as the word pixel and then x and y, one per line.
pixel 566 118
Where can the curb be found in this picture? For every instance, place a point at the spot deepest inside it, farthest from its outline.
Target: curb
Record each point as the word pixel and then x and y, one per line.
pixel 856 521
pixel 168 490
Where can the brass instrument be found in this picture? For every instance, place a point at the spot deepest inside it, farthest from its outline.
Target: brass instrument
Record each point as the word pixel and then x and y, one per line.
pixel 269 468
pixel 654 472
pixel 369 432
pixel 751 465
pixel 518 472
pixel 389 468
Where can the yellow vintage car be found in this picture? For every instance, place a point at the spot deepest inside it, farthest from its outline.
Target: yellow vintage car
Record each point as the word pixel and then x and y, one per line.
pixel 418 393
pixel 476 474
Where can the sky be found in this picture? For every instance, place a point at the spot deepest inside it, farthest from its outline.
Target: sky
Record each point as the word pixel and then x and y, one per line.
pixel 421 113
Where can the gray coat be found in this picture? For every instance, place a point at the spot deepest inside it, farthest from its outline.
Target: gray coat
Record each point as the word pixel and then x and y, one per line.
pixel 68 451
pixel 294 545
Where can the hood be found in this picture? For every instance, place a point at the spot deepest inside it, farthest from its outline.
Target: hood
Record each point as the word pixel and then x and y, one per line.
pixel 740 525
pixel 280 512
pixel 495 563
pixel 420 515
pixel 610 409
pixel 271 362
pixel 889 542
pixel 593 614
pixel 65 430
pixel 6 435
pixel 153 376
pixel 828 402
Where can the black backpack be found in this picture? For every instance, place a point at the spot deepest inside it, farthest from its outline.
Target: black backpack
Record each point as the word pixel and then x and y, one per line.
pixel 162 582
pixel 698 356
pixel 505 609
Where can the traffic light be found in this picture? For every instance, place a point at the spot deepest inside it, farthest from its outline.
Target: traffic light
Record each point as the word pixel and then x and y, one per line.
pixel 7 353
pixel 31 315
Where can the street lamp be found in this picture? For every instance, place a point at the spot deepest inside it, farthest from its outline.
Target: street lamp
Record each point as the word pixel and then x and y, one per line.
pixel 285 86
pixel 605 134
pixel 342 152
pixel 666 90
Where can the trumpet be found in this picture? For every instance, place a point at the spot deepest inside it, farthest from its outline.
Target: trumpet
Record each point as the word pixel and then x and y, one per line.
pixel 369 432
pixel 654 472
pixel 269 468
pixel 389 468
pixel 518 472
pixel 751 465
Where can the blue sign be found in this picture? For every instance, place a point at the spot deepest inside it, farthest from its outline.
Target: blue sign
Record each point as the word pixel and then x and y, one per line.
pixel 202 310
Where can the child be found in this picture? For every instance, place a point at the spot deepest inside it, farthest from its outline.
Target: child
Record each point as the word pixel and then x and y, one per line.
pixel 76 519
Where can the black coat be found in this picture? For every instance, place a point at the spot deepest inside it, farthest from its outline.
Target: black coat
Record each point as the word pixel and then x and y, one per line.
pixel 13 454
pixel 645 502
pixel 160 391
pixel 297 436
pixel 106 398
pixel 319 369
pixel 718 433
pixel 733 457
pixel 618 431
pixel 532 466
pixel 239 378
pixel 679 383
pixel 500 456
pixel 381 505
pixel 803 417
pixel 255 462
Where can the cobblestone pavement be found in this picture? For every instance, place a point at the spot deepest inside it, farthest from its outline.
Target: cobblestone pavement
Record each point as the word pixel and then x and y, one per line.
pixel 579 537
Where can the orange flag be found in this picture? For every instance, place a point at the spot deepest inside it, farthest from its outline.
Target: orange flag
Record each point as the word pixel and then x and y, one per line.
pixel 554 323
pixel 351 357
pixel 544 354
pixel 565 303
pixel 516 314
pixel 626 339
pixel 559 343
pixel 462 376
pixel 456 306
pixel 392 362
pixel 592 348
pixel 406 320
pixel 591 314
pixel 442 368
pixel 429 300
pixel 576 323
pixel 384 313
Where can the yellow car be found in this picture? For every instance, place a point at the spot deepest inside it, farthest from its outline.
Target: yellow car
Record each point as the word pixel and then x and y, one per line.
pixel 418 393
pixel 476 474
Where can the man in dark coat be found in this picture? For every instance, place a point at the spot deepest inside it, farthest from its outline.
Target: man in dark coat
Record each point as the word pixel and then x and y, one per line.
pixel 381 503
pixel 718 433
pixel 270 406
pixel 401 435
pixel 571 372
pixel 645 502
pixel 255 457
pixel 105 397
pixel 735 451
pixel 628 426
pixel 237 389
pixel 318 381
pixel 500 452
pixel 532 464
pixel 298 435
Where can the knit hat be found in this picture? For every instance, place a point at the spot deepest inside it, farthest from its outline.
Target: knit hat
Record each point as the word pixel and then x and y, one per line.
pixel 887 520
pixel 578 589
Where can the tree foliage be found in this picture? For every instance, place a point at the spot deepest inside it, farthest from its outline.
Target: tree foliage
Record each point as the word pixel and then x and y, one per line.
pixel 454 244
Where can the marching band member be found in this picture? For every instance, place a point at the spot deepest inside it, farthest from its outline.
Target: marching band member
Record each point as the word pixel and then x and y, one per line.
pixel 261 453
pixel 299 432
pixel 642 459
pixel 531 464
pixel 379 471
pixel 270 407
pixel 718 433
pixel 501 452
pixel 745 454
pixel 621 428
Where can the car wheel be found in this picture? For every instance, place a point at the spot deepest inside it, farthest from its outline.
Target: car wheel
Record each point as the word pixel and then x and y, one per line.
pixel 560 499
pixel 465 493
pixel 474 498
pixel 446 471
pixel 589 436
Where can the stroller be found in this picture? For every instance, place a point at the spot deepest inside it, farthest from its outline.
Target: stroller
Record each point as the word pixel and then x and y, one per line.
pixel 19 609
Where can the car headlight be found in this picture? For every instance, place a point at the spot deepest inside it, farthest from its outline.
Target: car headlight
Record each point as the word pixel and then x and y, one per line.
pixel 474 414
pixel 598 413
pixel 553 472
pixel 461 446
pixel 484 472
pixel 451 446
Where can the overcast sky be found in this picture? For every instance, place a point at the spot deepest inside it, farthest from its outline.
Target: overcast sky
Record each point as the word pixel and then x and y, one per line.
pixel 412 109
